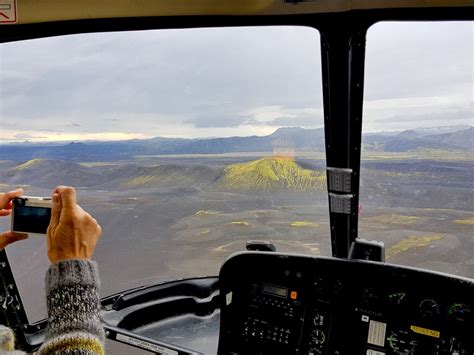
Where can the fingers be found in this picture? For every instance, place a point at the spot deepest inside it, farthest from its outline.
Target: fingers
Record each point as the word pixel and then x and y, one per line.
pixel 11 237
pixel 56 210
pixel 12 194
pixel 6 197
pixel 68 196
pixel 4 213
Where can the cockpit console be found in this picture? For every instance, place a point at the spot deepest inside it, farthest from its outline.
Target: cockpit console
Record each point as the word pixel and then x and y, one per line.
pixel 274 303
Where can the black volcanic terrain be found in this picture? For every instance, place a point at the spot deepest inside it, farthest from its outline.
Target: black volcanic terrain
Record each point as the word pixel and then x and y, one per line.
pixel 173 208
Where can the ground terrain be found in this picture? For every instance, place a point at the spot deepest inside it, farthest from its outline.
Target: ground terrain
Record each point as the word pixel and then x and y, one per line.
pixel 180 216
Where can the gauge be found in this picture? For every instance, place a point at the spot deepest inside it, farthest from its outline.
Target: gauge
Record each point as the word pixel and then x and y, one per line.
pixel 452 346
pixel 399 298
pixel 459 312
pixel 429 309
pixel 369 296
pixel 317 340
pixel 318 319
pixel 401 342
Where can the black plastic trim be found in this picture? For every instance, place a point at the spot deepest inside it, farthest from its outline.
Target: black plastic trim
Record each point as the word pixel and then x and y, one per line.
pixel 57 28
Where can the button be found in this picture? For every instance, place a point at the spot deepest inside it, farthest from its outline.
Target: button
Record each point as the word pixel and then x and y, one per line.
pixel 293 295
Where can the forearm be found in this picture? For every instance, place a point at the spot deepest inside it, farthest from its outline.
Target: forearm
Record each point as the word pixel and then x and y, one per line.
pixel 72 291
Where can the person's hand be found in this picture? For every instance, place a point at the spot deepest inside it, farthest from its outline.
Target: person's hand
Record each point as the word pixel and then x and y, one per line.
pixel 5 210
pixel 72 232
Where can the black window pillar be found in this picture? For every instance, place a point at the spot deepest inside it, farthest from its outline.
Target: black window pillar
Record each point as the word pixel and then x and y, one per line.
pixel 343 54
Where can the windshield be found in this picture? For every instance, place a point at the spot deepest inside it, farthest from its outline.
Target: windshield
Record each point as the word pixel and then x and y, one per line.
pixel 417 177
pixel 183 144
pixel 186 144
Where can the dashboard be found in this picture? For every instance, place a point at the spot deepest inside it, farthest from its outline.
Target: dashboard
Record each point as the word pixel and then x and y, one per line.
pixel 274 303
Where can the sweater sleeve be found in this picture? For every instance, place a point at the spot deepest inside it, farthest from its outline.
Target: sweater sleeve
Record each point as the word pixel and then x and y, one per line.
pixel 72 292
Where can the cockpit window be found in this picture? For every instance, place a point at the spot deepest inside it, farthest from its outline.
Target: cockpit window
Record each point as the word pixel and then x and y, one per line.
pixel 184 144
pixel 417 177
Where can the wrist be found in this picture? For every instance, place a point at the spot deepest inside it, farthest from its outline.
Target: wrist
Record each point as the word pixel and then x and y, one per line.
pixel 72 272
pixel 64 256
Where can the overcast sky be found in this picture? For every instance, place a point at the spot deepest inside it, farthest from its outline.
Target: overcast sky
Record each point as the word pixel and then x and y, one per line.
pixel 225 82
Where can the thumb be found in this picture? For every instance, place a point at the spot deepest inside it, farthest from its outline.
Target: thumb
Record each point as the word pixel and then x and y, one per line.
pixel 56 210
pixel 68 198
pixel 11 237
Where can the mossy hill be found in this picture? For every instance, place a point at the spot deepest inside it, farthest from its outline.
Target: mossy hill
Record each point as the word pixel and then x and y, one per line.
pixel 273 174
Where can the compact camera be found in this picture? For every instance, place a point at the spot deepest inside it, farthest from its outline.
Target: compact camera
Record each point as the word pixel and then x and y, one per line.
pixel 31 214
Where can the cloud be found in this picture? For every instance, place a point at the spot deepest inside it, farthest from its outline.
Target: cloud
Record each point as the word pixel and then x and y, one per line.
pixel 284 116
pixel 408 113
pixel 215 119
pixel 229 81
pixel 304 122
pixel 26 136
pixel 416 59
pixel 272 115
pixel 265 113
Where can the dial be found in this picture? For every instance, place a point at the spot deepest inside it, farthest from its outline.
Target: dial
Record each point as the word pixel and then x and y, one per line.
pixel 401 342
pixel 459 312
pixel 318 320
pixel 398 298
pixel 452 346
pixel 369 296
pixel 317 340
pixel 429 309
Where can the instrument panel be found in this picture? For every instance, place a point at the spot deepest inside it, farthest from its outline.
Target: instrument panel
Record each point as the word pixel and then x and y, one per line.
pixel 291 304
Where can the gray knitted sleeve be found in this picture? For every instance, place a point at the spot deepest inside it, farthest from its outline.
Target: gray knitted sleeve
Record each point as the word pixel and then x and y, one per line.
pixel 72 291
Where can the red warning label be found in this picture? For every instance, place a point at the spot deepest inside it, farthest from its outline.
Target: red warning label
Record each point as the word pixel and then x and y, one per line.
pixel 8 11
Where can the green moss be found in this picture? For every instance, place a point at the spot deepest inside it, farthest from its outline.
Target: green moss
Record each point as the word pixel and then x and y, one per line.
pixel 29 164
pixel 304 224
pixel 205 213
pixel 467 221
pixel 273 174
pixel 203 232
pixel 391 218
pixel 240 223
pixel 410 243
pixel 141 180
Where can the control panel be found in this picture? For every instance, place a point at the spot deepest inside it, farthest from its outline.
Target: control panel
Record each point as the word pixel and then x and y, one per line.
pixel 290 304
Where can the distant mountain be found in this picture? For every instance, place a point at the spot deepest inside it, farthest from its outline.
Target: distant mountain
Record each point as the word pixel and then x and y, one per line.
pixel 273 174
pixel 462 140
pixel 415 139
pixel 266 174
pixel 429 131
pixel 286 139
pixel 49 173
pixel 297 138
pixel 197 176
pixel 44 173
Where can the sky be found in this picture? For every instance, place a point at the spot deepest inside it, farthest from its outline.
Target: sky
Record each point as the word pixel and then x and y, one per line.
pixel 225 82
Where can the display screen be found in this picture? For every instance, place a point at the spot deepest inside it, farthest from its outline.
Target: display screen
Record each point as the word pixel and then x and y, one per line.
pixel 31 219
pixel 275 290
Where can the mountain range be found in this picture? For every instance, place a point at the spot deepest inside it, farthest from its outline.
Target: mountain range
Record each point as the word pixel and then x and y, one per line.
pixel 266 174
pixel 288 138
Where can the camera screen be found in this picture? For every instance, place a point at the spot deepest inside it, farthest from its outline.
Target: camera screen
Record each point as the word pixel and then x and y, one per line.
pixel 31 219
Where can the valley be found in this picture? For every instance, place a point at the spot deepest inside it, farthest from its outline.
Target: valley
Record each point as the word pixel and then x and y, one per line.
pixel 174 216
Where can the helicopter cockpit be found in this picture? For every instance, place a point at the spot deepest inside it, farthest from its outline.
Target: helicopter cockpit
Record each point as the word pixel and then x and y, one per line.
pixel 251 186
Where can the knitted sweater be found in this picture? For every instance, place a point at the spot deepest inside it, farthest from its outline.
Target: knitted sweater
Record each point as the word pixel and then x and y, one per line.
pixel 73 312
